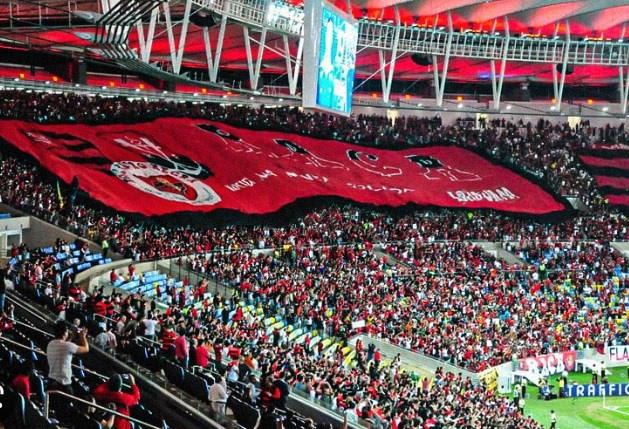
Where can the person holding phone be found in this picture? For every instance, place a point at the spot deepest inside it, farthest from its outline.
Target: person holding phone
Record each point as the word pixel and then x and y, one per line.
pixel 60 352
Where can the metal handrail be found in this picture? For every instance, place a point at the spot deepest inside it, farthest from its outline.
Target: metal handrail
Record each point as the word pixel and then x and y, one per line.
pixel 43 353
pixel 41 331
pixel 91 404
pixel 25 308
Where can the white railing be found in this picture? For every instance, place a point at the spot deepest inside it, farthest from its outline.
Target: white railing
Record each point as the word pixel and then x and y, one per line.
pixel 428 40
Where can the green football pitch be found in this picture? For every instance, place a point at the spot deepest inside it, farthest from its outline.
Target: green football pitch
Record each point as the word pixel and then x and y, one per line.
pixel 582 413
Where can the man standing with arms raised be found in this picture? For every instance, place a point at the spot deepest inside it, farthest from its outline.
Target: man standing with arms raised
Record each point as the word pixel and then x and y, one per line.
pixel 59 353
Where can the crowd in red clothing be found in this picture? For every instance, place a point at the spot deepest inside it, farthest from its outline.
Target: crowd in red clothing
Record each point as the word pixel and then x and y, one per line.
pixel 338 265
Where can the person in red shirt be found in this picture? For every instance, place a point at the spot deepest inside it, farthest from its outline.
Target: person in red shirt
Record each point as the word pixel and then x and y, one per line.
pixel 181 348
pixel 74 291
pixel 377 357
pixel 21 383
pixel 202 354
pixel 233 352
pixel 168 338
pixel 218 351
pixel 113 276
pixel 270 393
pixel 100 307
pixel 111 392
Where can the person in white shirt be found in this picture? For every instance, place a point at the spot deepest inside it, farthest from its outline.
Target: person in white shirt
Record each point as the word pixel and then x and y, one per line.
pixel 553 419
pixel 59 354
pixel 149 326
pixel 218 398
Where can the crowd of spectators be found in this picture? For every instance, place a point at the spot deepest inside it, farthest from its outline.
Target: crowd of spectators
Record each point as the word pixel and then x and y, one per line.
pixel 446 299
pixel 449 300
pixel 29 188
pixel 428 289
pixel 228 335
pixel 542 149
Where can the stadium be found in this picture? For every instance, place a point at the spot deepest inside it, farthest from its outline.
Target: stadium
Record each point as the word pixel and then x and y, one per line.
pixel 339 214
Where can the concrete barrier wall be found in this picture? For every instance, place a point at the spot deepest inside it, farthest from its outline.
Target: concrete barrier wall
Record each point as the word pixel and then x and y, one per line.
pixel 622 247
pixel 99 275
pixel 42 234
pixel 411 358
pixel 497 250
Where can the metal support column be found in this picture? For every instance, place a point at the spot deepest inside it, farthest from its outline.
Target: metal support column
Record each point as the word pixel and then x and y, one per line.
pixel 293 72
pixel 497 81
pixel 146 45
pixel 440 81
pixel 212 64
pixel 559 79
pixel 176 52
pixel 388 68
pixel 254 69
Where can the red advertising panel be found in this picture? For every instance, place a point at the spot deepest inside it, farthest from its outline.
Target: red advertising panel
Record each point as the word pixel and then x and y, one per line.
pixel 183 165
pixel 549 364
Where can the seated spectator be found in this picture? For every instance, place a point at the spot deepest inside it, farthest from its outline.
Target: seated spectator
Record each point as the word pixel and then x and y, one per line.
pixel 21 382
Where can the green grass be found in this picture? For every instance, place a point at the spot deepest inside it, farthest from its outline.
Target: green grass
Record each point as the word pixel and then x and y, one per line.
pixel 582 413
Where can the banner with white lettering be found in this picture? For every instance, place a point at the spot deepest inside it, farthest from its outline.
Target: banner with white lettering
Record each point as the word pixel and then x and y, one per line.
pixel 585 390
pixel 175 165
pixel 550 364
pixel 618 353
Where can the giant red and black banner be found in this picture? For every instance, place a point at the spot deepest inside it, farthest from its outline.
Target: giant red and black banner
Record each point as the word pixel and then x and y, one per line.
pixel 183 165
pixel 609 164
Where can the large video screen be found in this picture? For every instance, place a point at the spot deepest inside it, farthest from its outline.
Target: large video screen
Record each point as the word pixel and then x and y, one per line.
pixel 330 43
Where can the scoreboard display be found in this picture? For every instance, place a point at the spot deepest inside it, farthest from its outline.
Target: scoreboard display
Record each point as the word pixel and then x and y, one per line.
pixel 331 37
